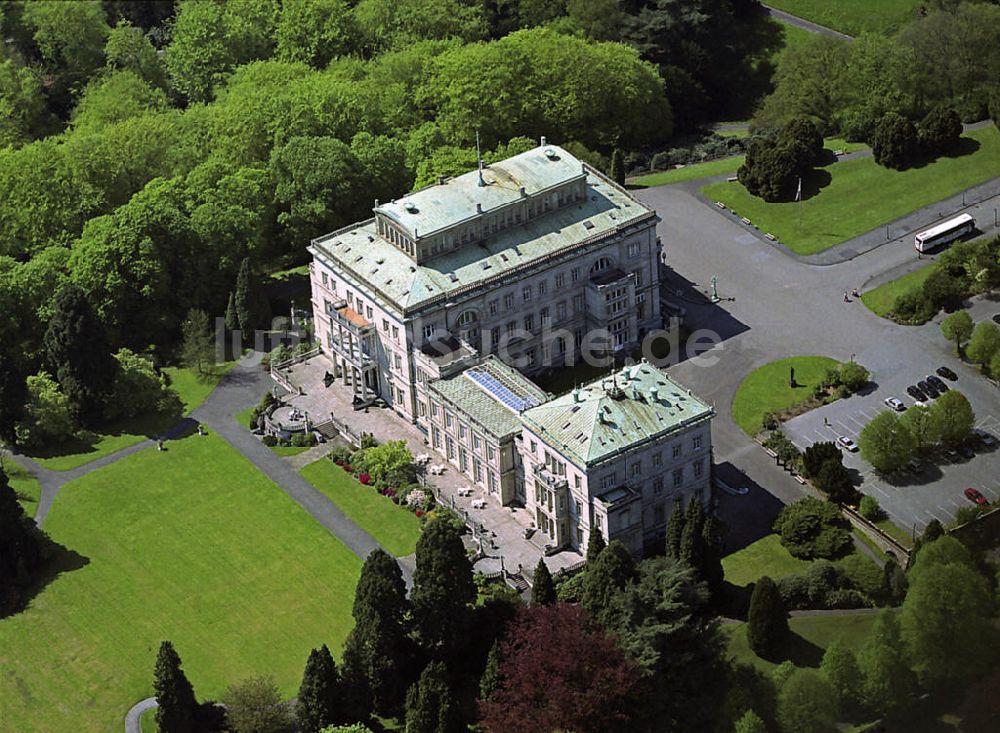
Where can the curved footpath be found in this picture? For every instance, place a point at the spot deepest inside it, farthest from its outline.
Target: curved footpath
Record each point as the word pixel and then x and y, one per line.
pixel 806 25
pixel 135 713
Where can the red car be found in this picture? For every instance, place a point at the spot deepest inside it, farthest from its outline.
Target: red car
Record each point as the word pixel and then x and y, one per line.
pixel 975 495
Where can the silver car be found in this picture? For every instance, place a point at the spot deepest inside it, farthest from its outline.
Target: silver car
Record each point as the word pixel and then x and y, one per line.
pixel 895 403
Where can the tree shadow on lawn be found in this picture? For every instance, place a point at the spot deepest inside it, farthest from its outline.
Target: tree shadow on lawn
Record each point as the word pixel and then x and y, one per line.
pixel 58 560
pixel 965 146
pixel 814 181
pixel 799 651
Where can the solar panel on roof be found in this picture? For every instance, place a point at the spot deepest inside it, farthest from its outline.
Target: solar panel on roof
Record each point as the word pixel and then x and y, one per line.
pixel 500 392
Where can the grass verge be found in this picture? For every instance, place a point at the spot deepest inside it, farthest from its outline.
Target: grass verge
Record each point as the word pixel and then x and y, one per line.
pixel 852 17
pixel 395 528
pixel 192 545
pixel 846 199
pixel 25 486
pixel 880 300
pixel 767 389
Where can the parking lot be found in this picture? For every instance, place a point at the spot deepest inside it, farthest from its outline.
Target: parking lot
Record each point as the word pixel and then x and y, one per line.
pixel 934 488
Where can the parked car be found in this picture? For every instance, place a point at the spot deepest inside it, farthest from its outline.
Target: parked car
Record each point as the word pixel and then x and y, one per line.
pixel 895 403
pixel 737 491
pixel 937 382
pixel 985 438
pixel 916 393
pixel 847 443
pixel 927 388
pixel 947 373
pixel 966 450
pixel 976 496
pixel 996 317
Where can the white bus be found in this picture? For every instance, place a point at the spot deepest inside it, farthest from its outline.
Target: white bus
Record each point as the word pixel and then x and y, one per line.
pixel 945 232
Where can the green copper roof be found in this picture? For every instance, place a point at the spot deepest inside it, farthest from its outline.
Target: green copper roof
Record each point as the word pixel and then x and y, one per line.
pixel 481 405
pixel 439 207
pixel 614 413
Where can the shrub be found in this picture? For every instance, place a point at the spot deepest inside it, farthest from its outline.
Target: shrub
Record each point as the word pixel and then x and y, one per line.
pixel 863 575
pixel 895 142
pixel 853 376
pixel 913 307
pixel 770 421
pixel 139 389
pixel 811 529
pixel 303 440
pixel 869 509
pixel 364 478
pixel 48 414
pixel 341 454
pixel 269 440
pixel 967 514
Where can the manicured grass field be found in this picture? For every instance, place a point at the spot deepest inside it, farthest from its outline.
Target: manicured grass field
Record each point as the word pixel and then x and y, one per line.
pixel 810 637
pixel 881 299
pixel 766 556
pixel 191 387
pixel 766 389
pixel 395 528
pixel 852 16
pixel 25 486
pixel 192 545
pixel 147 721
pixel 793 38
pixel 844 200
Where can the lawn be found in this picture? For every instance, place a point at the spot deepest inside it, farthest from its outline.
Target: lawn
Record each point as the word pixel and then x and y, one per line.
pixel 766 389
pixel 395 528
pixel 793 37
pixel 192 545
pixel 853 16
pixel 881 299
pixel 811 635
pixel 192 389
pixel 846 199
pixel 766 556
pixel 25 486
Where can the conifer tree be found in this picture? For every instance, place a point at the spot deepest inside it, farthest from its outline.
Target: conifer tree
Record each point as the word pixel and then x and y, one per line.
pixel 377 652
pixel 252 310
pixel 595 544
pixel 617 170
pixel 675 530
pixel 20 554
pixel 77 350
pixel 232 317
pixel 490 681
pixel 604 580
pixel 196 340
pixel 13 395
pixel 177 709
pixel 543 590
pixel 319 700
pixel 691 538
pixel 711 555
pixel 430 704
pixel 767 622
pixel 443 591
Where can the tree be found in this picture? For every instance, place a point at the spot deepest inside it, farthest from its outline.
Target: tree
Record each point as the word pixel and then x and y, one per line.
pixel 854 376
pixel 443 591
pixel 985 342
pixel 115 97
pixel 252 309
pixel 23 103
pixel 595 544
pixel 197 350
pixel 319 699
pixel 177 708
pixel 691 540
pixel 750 722
pixel 255 706
pixel 940 130
pixel 490 680
pixel 886 443
pixel 894 581
pixel 887 680
pixel 835 480
pixel 377 652
pixel 952 417
pixel 869 508
pixel 139 389
pixel 816 455
pixel 386 24
pixel 48 414
pixel 770 170
pixel 947 615
pixel 810 528
pixel 315 32
pixel 807 703
pixel 711 570
pixel 77 351
pixel 617 170
pixel 920 423
pixel 543 590
pixel 232 319
pixel 840 668
pixel 588 680
pixel 805 137
pixel 129 49
pixel 675 530
pixel 20 550
pixel 605 579
pixel 430 704
pixel 767 622
pixel 13 395
pixel 389 462
pixel 894 143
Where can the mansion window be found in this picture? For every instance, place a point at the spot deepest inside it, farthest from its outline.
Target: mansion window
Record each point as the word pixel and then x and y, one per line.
pixel 677 451
pixel 543 287
pixel 526 293
pixel 560 280
pixel 635 469
pixel 633 249
pixel 608 481
pixel 696 442
pixel 658 485
pixel 561 310
pixel 429 331
pixel 529 322
pixel 493 307
pixel 508 301
pixel 574 274
pixel 678 476
pixel 699 468
pixel 657 458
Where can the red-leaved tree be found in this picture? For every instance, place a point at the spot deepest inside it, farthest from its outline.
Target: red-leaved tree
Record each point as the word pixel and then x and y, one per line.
pixel 560 671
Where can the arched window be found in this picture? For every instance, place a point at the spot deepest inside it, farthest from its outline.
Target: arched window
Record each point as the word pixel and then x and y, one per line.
pixel 467 318
pixel 602 264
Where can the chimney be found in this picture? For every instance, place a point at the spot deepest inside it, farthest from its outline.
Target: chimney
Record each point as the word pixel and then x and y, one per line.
pixel 576 394
pixel 479 208
pixel 524 193
pixel 376 203
pixel 654 394
pixel 542 143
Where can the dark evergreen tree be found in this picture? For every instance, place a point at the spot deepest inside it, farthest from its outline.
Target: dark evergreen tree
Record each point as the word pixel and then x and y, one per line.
pixel 430 705
pixel 377 652
pixel 894 581
pixel 443 591
pixel 894 143
pixel 20 554
pixel 13 395
pixel 691 551
pixel 320 701
pixel 767 622
pixel 711 555
pixel 252 309
pixel 835 480
pixel 675 530
pixel 940 130
pixel 232 317
pixel 803 134
pixel 490 681
pixel 814 456
pixel 595 544
pixel 543 590
pixel 604 580
pixel 617 170
pixel 78 352
pixel 178 710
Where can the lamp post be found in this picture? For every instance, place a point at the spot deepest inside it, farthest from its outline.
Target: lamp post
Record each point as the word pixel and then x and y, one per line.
pixel 715 289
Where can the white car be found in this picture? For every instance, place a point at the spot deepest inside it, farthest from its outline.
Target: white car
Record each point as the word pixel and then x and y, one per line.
pixel 895 403
pixel 847 443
